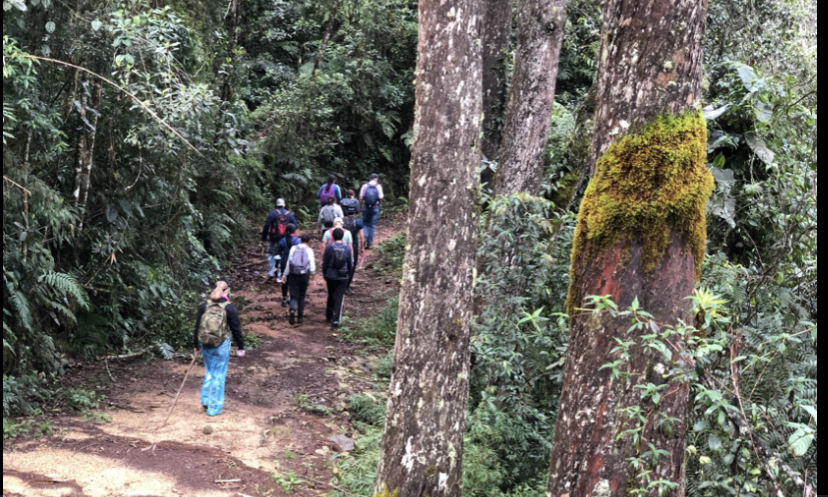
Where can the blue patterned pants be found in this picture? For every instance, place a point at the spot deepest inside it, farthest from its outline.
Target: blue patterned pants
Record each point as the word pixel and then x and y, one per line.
pixel 216 360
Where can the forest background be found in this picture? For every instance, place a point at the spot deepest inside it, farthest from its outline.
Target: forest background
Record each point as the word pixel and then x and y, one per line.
pixel 140 137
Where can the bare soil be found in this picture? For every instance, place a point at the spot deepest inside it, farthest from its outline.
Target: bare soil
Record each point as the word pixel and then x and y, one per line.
pixel 285 400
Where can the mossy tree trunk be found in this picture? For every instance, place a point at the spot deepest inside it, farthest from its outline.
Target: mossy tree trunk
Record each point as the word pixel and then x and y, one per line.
pixel 422 447
pixel 641 234
pixel 496 34
pixel 541 25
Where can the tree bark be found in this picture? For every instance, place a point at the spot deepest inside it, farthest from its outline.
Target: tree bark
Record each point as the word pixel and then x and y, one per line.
pixel 422 447
pixel 641 234
pixel 651 72
pixel 496 35
pixel 541 25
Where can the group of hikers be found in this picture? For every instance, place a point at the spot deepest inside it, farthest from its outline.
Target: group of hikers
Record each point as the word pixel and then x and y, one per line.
pixel 346 225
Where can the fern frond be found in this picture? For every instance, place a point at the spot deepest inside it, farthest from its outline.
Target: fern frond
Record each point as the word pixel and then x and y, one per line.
pixel 65 285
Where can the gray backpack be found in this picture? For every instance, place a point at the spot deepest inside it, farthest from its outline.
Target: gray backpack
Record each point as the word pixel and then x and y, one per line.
pixel 299 263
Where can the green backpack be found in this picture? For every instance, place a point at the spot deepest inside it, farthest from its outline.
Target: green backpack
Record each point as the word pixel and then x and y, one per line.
pixel 212 331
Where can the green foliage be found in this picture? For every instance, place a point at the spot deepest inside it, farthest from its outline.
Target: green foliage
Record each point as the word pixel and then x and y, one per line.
pixel 366 410
pixel 392 252
pixel 380 330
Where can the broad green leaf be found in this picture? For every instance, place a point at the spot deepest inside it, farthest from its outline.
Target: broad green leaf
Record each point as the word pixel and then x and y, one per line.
pixel 714 442
pixel 800 442
pixel 50 27
pixel 96 25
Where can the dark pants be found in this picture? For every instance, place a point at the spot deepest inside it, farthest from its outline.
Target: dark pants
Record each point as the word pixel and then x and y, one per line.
pixel 299 284
pixel 285 286
pixel 336 299
pixel 370 218
pixel 356 261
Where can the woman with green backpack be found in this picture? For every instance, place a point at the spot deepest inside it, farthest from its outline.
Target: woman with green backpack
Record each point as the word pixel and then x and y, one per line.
pixel 217 319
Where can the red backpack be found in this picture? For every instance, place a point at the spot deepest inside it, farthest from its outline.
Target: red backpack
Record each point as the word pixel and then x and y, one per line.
pixel 278 229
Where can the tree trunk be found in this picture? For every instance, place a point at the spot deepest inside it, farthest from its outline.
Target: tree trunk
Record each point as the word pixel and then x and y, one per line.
pixel 496 35
pixel 641 233
pixel 329 28
pixel 541 25
pixel 422 447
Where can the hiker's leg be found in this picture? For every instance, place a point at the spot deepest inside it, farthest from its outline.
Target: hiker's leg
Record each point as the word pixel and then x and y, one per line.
pixel 271 262
pixel 294 281
pixel 304 283
pixel 354 266
pixel 339 300
pixel 216 360
pixel 329 310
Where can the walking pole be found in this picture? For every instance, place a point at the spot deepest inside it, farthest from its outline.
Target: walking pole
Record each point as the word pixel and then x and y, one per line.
pixel 179 391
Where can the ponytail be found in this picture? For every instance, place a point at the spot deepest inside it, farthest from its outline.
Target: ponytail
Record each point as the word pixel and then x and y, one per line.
pixel 218 293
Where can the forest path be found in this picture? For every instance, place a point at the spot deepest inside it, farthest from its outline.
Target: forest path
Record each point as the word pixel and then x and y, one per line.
pixel 285 401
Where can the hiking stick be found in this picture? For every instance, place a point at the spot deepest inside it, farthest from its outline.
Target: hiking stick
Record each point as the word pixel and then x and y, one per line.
pixel 179 391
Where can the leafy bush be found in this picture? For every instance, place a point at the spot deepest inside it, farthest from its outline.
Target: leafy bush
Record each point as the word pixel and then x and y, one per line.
pixel 380 330
pixel 392 252
pixel 366 410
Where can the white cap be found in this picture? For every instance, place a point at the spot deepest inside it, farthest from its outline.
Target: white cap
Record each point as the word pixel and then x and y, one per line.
pixel 339 221
pixel 280 202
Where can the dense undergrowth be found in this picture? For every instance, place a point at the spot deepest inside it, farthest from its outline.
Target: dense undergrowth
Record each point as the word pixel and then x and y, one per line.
pixel 113 224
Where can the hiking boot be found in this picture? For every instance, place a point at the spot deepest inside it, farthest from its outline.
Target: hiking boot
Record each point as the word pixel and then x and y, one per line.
pixel 284 303
pixel 292 317
pixel 301 320
pixel 335 326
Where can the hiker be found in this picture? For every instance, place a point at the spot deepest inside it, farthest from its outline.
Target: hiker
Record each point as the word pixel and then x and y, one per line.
pixel 328 190
pixel 217 316
pixel 336 268
pixel 354 225
pixel 300 267
pixel 285 245
pixel 328 214
pixel 328 238
pixel 275 229
pixel 370 198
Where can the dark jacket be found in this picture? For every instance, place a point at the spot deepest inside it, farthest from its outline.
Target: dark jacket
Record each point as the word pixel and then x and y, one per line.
pixel 284 249
pixel 233 322
pixel 329 269
pixel 271 219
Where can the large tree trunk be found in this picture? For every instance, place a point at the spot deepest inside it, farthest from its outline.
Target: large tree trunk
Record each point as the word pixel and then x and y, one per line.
pixel 541 25
pixel 641 233
pixel 496 34
pixel 422 448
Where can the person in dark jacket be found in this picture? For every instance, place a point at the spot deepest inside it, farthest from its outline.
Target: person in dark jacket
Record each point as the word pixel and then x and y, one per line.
pixel 270 234
pixel 285 244
pixel 216 359
pixel 336 268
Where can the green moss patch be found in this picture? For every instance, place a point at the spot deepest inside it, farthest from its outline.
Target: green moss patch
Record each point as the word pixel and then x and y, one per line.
pixel 646 186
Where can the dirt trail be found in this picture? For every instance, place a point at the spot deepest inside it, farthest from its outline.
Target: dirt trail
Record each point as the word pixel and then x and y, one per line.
pixel 267 442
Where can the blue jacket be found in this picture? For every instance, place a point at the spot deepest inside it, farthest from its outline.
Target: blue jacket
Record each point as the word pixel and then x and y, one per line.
pixel 284 250
pixel 272 219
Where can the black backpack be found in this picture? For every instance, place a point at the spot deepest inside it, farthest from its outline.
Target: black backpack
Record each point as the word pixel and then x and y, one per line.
pixel 340 259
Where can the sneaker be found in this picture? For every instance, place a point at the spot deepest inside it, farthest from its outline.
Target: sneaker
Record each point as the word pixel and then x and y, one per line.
pixel 300 320
pixel 284 303
pixel 335 326
pixel 292 318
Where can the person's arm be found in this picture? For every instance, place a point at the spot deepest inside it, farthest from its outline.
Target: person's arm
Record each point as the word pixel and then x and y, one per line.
pixel 362 196
pixel 288 267
pixel 380 192
pixel 266 228
pixel 326 262
pixel 351 261
pixel 338 194
pixel 201 310
pixel 234 323
pixel 339 212
pixel 321 189
pixel 311 260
